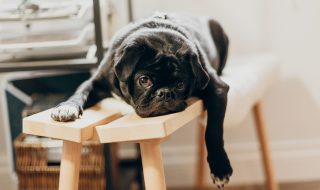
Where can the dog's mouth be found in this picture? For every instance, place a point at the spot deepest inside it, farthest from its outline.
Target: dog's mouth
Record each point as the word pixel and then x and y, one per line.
pixel 160 108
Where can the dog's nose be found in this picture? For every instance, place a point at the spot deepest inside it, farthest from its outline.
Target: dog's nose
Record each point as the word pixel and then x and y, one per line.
pixel 164 94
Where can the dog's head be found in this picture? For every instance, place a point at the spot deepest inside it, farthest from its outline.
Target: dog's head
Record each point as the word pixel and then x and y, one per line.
pixel 157 72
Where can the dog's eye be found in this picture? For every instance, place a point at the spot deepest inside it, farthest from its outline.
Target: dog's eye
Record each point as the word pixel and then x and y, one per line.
pixel 180 86
pixel 145 81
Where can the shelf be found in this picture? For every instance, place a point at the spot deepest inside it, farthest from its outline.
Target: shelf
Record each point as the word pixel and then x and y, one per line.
pixel 49 64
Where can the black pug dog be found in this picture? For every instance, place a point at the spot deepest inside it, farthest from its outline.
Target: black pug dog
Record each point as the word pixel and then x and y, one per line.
pixel 156 64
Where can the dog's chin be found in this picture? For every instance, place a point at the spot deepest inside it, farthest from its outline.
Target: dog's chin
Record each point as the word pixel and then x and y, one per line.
pixel 158 109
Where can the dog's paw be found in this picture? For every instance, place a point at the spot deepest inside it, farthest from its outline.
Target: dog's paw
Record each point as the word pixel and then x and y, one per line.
pixel 220 168
pixel 65 112
pixel 220 182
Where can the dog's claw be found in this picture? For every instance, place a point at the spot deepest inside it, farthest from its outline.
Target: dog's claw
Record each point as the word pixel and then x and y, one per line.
pixel 221 186
pixel 220 182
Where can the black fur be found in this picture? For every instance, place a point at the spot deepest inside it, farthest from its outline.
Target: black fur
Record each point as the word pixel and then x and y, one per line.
pixel 222 41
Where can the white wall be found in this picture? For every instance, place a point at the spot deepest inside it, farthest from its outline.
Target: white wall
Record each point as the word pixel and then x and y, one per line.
pixel 231 14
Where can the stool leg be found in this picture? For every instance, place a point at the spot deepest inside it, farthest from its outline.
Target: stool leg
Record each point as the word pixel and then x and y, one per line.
pixel 262 135
pixel 70 165
pixel 201 157
pixel 152 165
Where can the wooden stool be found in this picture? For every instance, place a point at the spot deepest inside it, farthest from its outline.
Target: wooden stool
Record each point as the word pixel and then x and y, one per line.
pixel 108 126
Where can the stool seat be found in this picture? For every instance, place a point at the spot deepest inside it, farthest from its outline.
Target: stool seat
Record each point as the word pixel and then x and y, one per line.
pixel 131 127
pixel 249 79
pixel 106 123
pixel 80 130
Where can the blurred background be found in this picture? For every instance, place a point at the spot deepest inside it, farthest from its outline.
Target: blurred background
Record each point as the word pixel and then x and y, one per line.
pixel 62 45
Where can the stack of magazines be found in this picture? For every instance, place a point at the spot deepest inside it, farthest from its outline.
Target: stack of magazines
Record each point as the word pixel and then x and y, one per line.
pixel 45 29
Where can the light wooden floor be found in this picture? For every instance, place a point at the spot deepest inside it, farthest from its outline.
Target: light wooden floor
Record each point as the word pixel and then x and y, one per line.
pixel 290 186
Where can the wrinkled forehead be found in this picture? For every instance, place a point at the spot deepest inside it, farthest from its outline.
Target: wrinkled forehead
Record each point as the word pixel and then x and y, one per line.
pixel 164 53
pixel 157 37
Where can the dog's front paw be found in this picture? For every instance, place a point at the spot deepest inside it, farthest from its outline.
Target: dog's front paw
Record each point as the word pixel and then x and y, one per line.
pixel 220 182
pixel 220 167
pixel 66 112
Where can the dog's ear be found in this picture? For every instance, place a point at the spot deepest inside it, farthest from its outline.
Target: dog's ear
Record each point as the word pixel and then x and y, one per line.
pixel 201 76
pixel 126 60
